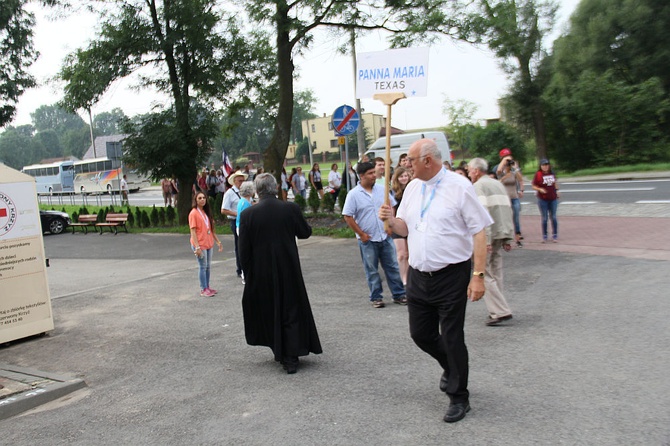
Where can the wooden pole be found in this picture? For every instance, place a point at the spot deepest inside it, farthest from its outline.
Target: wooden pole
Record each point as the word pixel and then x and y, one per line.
pixel 388 99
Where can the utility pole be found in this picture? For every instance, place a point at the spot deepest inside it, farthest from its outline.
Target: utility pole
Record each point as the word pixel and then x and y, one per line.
pixel 90 122
pixel 360 132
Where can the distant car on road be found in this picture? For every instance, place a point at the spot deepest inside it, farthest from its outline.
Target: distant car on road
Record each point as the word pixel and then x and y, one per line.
pixel 54 222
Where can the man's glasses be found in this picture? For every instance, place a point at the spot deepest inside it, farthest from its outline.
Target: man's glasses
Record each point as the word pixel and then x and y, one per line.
pixel 411 160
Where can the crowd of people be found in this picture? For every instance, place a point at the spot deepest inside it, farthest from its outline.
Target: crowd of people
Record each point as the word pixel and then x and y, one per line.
pixel 439 235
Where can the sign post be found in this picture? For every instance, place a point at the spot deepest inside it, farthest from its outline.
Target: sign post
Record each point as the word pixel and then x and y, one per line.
pixel 389 76
pixel 345 121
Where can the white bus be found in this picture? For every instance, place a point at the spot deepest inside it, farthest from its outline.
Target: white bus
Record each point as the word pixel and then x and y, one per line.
pixel 99 175
pixel 53 178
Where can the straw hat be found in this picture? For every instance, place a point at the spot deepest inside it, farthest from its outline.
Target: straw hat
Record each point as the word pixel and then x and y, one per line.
pixel 239 173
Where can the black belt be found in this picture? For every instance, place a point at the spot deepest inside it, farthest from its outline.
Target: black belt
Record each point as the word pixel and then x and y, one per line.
pixel 439 272
pixel 433 273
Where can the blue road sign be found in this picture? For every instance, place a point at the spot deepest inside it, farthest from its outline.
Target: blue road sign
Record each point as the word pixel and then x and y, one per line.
pixel 345 120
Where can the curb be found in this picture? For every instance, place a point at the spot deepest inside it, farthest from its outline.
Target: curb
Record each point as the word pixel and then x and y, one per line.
pixel 34 388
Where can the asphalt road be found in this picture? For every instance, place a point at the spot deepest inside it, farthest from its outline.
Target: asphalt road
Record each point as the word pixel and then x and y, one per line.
pixel 622 189
pixel 584 361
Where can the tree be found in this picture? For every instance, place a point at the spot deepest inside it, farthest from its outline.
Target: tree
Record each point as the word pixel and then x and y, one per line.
pixel 514 30
pixel 488 141
pixel 198 51
pixel 602 121
pixel 293 23
pixel 303 104
pixel 109 123
pixel 627 38
pixel 17 54
pixel 460 114
pixel 18 149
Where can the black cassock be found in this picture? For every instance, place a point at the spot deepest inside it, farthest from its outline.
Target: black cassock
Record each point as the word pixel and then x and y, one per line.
pixel 276 308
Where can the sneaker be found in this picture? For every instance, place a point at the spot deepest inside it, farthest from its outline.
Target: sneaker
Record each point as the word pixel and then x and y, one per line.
pixel 400 300
pixel 378 304
pixel 206 293
pixel 519 244
pixel 212 291
pixel 555 240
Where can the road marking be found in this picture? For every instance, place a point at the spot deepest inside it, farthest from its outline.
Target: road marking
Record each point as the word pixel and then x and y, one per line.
pixel 632 189
pixel 578 202
pixel 615 182
pixel 564 202
pixel 653 202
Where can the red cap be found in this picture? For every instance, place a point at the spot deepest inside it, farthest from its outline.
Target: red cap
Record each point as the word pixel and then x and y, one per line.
pixel 505 152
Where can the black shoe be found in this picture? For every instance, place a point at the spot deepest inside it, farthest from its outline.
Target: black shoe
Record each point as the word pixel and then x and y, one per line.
pixel 400 301
pixel 444 381
pixel 497 320
pixel 290 365
pixel 456 412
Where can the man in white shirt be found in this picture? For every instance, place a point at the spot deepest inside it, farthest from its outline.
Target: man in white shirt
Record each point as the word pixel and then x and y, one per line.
pixel 124 190
pixel 444 223
pixel 229 209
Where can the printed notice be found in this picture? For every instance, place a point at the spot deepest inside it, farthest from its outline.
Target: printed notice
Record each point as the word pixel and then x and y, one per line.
pixel 25 304
pixel 20 257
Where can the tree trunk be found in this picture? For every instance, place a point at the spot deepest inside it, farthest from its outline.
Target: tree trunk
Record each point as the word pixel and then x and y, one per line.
pixel 540 131
pixel 275 153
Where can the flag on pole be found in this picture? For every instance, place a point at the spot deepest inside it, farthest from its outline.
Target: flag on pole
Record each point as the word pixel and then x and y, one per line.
pixel 227 166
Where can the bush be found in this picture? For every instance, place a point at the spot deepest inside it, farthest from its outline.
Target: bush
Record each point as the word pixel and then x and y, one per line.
pixel 342 197
pixel 300 201
pixel 75 217
pixel 170 215
pixel 138 216
pixel 313 200
pixel 161 216
pixel 145 220
pixel 154 216
pixel 101 216
pixel 328 202
pixel 131 218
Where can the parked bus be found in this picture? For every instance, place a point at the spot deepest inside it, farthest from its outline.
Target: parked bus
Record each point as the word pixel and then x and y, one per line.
pixel 53 178
pixel 100 175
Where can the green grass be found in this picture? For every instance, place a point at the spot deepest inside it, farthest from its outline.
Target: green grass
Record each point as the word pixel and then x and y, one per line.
pixel 646 167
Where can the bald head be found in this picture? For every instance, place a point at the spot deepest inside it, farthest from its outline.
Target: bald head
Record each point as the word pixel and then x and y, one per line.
pixel 425 159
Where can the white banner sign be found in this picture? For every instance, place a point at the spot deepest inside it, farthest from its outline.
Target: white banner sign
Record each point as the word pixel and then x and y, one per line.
pixel 403 70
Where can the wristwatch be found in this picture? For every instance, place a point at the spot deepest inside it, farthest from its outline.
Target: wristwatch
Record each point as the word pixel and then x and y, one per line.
pixel 478 274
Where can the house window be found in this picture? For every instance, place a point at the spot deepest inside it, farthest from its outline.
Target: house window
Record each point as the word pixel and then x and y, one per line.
pixel 333 143
pixel 330 126
pixel 313 128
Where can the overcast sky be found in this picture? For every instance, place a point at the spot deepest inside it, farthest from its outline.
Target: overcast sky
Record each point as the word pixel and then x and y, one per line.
pixel 457 71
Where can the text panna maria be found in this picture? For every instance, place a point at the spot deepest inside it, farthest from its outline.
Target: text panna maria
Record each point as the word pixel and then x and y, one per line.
pixel 392 78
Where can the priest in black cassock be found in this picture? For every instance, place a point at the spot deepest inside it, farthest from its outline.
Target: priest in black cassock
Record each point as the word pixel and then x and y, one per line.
pixel 276 309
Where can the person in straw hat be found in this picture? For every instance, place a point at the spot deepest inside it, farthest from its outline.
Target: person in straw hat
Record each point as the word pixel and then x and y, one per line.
pixel 229 209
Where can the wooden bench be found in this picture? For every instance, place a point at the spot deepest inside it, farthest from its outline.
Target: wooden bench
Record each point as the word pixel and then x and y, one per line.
pixel 113 221
pixel 84 221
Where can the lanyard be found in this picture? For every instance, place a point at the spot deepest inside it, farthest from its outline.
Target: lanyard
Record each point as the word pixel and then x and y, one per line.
pixel 425 208
pixel 204 217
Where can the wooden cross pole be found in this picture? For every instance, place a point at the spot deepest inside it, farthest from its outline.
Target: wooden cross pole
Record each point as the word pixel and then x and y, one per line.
pixel 388 99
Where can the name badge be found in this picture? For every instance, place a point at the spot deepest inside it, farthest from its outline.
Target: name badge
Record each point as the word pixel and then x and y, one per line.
pixel 421 227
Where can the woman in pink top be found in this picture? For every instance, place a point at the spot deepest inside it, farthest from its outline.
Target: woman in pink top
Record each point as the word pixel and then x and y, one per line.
pixel 203 236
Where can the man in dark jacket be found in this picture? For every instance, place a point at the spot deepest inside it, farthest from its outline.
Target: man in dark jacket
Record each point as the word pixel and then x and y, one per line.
pixel 276 308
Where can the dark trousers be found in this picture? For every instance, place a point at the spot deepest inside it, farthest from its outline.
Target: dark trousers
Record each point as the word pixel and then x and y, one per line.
pixel 436 305
pixel 233 227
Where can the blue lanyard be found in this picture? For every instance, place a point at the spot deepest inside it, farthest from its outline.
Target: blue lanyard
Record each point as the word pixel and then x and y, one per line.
pixel 424 209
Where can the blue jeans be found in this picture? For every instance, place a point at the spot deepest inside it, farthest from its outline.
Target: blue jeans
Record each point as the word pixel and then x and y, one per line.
pixel 374 252
pixel 516 211
pixel 548 207
pixel 204 262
